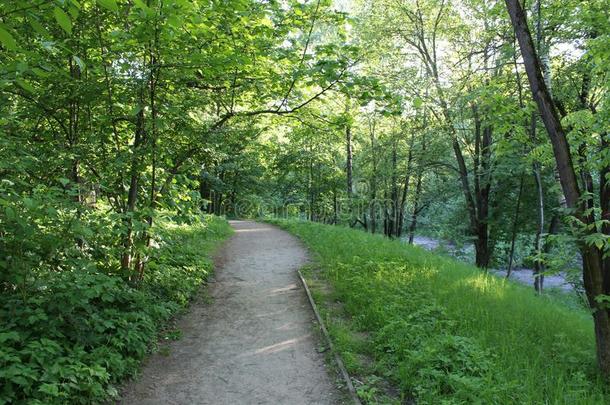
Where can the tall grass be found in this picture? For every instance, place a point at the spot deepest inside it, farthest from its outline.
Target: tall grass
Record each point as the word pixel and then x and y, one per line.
pixel 441 331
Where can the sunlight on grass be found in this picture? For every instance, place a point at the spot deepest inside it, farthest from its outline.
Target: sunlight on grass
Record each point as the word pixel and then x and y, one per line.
pixel 441 331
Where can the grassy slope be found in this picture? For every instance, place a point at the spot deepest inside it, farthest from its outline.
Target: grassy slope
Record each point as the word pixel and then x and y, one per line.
pixel 79 333
pixel 440 331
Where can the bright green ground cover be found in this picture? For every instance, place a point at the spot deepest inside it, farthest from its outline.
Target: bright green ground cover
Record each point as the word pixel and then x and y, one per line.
pixel 413 325
pixel 74 335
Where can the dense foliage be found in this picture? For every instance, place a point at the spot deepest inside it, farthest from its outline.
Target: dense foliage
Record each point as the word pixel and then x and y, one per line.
pixel 75 333
pixel 113 114
pixel 457 119
pixel 442 331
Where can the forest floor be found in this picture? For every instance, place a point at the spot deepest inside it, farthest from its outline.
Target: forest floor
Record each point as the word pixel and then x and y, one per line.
pixel 522 275
pixel 251 341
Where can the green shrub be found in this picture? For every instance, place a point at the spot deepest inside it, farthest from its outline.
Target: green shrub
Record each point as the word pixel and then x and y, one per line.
pixel 73 335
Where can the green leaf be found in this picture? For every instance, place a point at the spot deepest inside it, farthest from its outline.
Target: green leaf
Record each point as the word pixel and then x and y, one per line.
pixel 142 6
pixel 25 85
pixel 49 389
pixel 39 72
pixel 63 19
pixel 7 40
pixel 109 5
pixel 136 109
pixel 266 21
pixel 8 336
pixel 174 21
pixel 39 28
pixel 79 62
pixel 22 67
pixel 73 12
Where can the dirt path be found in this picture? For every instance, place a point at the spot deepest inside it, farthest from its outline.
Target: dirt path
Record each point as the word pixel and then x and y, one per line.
pixel 254 343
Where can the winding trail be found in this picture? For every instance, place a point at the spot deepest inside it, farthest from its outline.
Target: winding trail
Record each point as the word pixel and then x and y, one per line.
pixel 254 343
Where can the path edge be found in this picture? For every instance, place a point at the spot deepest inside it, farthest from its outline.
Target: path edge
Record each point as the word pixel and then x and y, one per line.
pixel 344 373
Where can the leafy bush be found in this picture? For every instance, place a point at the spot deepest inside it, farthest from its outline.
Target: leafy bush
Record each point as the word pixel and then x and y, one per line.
pixel 71 336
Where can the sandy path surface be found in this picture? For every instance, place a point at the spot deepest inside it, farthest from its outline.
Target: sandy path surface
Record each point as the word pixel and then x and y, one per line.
pixel 254 343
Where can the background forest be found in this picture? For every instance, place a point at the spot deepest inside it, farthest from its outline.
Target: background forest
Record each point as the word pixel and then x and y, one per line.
pixel 122 120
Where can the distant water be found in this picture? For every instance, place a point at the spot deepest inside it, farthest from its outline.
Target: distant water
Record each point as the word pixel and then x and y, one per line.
pixel 520 274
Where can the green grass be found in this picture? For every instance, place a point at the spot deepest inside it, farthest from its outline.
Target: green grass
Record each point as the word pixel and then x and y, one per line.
pixel 411 325
pixel 74 335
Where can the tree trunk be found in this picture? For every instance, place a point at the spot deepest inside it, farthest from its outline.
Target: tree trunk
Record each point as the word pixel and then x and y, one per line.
pixel 349 166
pixel 538 263
pixel 335 208
pixel 514 231
pixel 536 171
pixel 481 245
pixel 604 205
pixel 310 183
pixel 539 266
pixel 428 55
pixel 373 182
pixel 416 208
pixel 596 279
pixel 546 106
pixel 204 193
pixel 405 188
pixel 393 226
pixel 132 194
pixel 482 197
pixel 481 158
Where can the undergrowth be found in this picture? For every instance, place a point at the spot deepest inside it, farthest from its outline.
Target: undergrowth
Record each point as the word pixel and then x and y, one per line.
pixel 73 336
pixel 413 326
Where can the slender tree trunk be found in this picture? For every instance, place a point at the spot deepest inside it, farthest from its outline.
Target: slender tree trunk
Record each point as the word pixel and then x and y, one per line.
pixel 393 223
pixel 596 279
pixel 335 208
pixel 373 183
pixel 484 174
pixel 459 156
pixel 416 208
pixel 604 205
pixel 513 238
pixel 546 106
pixel 387 231
pixel 348 147
pixel 536 171
pixel 405 185
pixel 73 105
pixel 428 54
pixel 540 244
pixel 538 263
pixel 204 192
pixel 545 249
pixel 482 182
pixel 310 183
pixel 132 194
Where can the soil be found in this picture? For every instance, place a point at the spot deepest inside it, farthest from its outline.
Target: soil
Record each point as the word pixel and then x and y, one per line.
pixel 254 343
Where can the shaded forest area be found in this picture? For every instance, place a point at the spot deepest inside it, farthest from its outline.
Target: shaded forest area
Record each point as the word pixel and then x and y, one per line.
pixel 480 122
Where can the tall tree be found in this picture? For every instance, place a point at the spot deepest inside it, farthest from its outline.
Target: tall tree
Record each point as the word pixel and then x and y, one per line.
pixel 596 265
